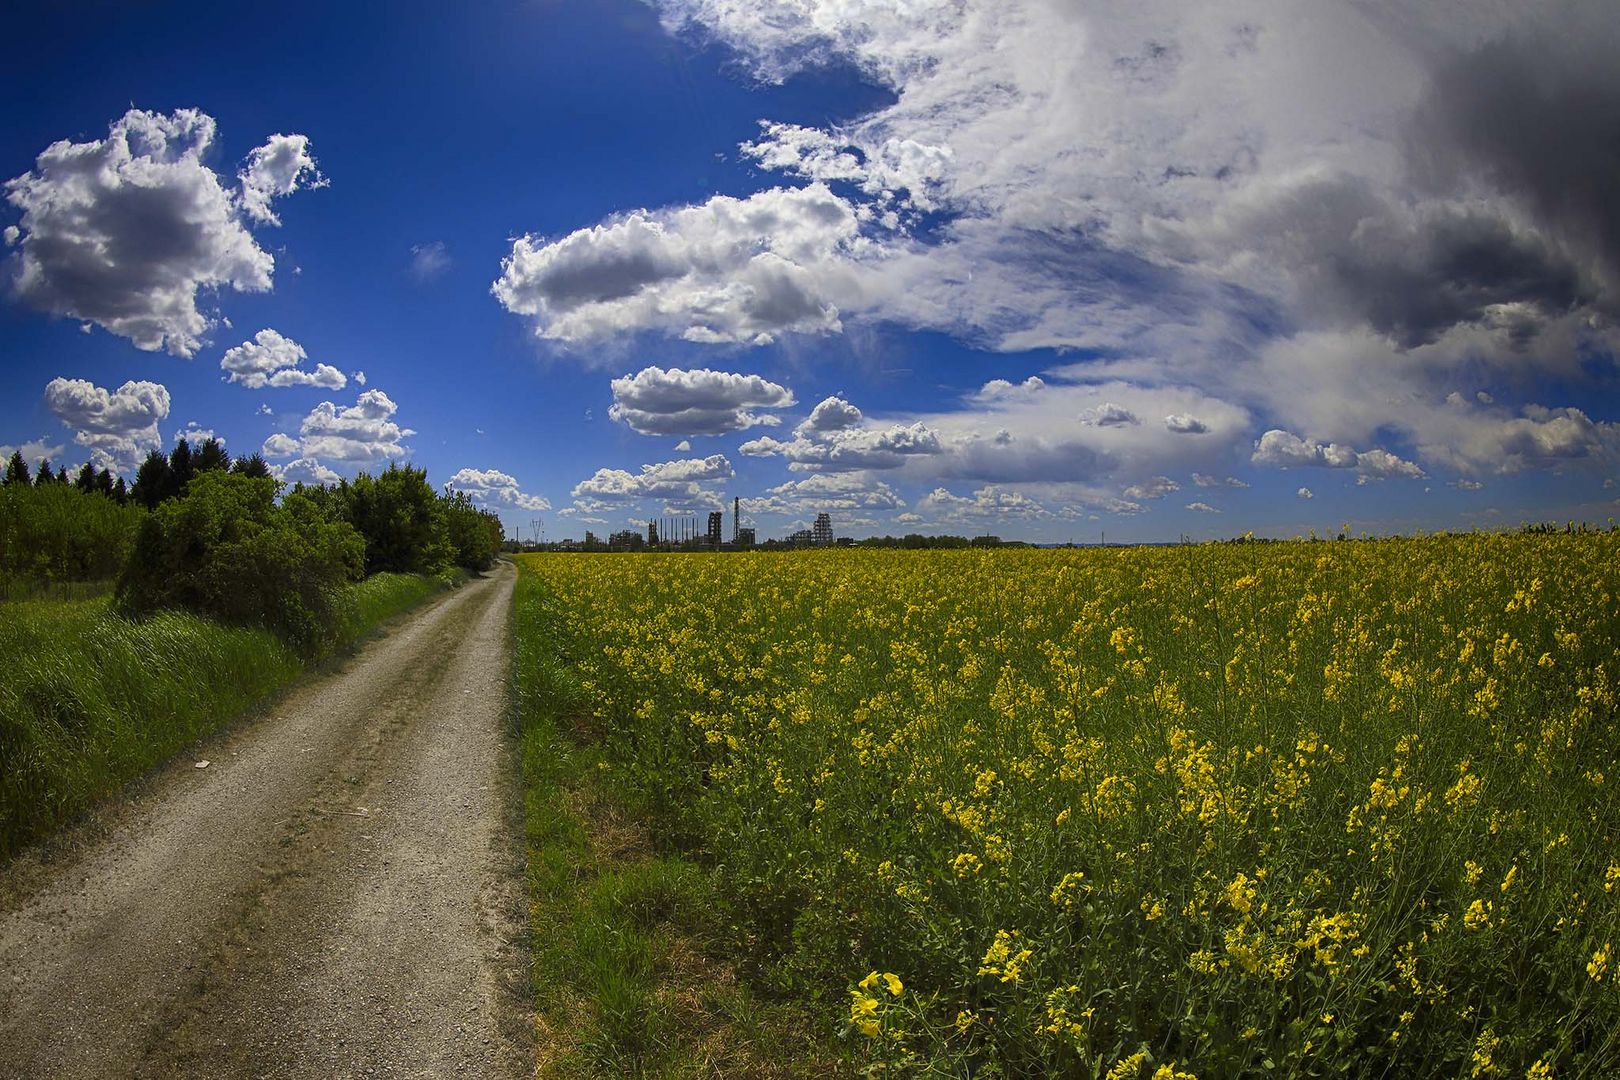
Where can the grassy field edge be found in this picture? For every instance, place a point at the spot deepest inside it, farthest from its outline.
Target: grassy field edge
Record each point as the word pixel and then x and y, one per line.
pixel 629 975
pixel 92 701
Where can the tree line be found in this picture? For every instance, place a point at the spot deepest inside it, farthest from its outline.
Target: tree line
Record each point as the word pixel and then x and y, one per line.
pixel 199 531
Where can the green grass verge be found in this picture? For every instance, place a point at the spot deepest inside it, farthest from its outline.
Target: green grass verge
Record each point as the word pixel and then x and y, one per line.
pixel 90 700
pixel 631 977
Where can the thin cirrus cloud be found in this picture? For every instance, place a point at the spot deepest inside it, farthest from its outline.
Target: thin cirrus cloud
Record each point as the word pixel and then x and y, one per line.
pixel 125 232
pixel 429 261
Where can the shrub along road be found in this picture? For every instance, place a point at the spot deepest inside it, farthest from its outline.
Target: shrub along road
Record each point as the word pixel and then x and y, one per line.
pixel 338 893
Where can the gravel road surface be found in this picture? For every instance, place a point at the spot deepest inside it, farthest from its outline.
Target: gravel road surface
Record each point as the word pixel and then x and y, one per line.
pixel 339 893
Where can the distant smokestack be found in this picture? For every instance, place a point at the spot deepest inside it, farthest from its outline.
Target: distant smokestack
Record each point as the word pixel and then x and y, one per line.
pixel 736 517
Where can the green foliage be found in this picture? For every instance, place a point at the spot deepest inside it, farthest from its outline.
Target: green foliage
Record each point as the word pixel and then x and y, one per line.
pixel 151 481
pixel 251 466
pixel 474 535
pixel 407 526
pixel 401 518
pixel 90 700
pixel 57 533
pixel 226 550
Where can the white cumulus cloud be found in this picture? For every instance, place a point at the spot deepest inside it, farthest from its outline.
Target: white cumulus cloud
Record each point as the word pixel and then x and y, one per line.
pixel 698 402
pixel 118 426
pixel 271 359
pixel 672 480
pixel 729 270
pixel 124 232
pixel 495 488
pixel 362 433
pixel 279 167
pixel 1283 449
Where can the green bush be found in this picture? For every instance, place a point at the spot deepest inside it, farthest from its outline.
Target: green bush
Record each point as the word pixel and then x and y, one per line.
pixel 475 535
pixel 226 550
pixel 409 528
pixel 401 518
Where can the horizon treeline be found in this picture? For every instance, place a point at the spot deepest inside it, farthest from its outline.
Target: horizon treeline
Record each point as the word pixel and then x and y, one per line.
pixel 200 531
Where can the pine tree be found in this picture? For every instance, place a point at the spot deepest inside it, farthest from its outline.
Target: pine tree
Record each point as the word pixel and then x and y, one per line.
pixel 211 456
pixel 120 493
pixel 86 480
pixel 151 481
pixel 17 470
pixel 44 476
pixel 181 470
pixel 251 466
pixel 104 482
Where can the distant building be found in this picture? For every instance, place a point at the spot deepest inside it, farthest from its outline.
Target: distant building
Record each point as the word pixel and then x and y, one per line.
pixel 802 538
pixel 745 537
pixel 652 534
pixel 821 534
pixel 716 523
pixel 625 540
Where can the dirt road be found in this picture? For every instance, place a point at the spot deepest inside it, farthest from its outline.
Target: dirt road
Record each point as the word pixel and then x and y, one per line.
pixel 339 893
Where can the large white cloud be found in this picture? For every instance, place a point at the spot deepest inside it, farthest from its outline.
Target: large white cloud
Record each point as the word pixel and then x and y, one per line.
pixel 362 433
pixel 305 471
pixel 698 402
pixel 273 360
pixel 1317 213
pixel 848 448
pixel 495 488
pixel 1284 449
pixel 118 426
pixel 729 270
pixel 125 232
pixel 672 480
pixel 987 504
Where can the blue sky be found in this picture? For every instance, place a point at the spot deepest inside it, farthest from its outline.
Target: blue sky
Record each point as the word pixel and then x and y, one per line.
pixel 1038 268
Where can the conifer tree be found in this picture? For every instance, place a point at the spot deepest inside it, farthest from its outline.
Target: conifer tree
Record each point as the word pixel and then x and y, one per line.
pixel 181 470
pixel 151 481
pixel 44 476
pixel 104 482
pixel 210 457
pixel 251 466
pixel 86 480
pixel 17 470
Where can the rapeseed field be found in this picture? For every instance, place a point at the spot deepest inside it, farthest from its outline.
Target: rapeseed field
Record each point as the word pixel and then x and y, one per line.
pixel 1335 808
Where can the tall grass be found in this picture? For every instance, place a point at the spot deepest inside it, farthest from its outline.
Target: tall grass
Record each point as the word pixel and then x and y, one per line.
pixel 1301 809
pixel 90 700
